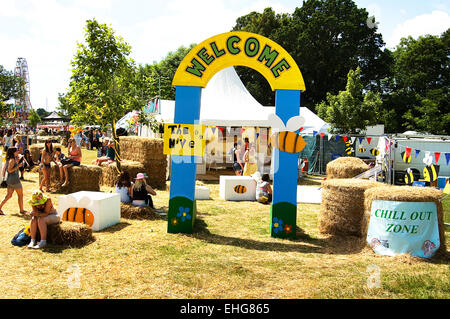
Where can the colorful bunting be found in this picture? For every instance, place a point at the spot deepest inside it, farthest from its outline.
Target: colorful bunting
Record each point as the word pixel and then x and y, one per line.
pixel 314 133
pixel 408 151
pixel 417 153
pixel 361 140
pixel 369 139
pixel 345 138
pixel 213 129
pixel 322 135
pixel 337 138
pixel 353 139
pixel 447 157
pixel 436 156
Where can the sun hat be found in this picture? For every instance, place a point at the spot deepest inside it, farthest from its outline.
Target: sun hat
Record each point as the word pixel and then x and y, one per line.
pixel 37 198
pixel 140 176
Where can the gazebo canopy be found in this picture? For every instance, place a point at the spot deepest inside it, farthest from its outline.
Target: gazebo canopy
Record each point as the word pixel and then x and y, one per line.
pixel 55 117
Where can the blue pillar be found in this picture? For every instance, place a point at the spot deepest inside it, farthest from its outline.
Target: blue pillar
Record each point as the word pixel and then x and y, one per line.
pixel 284 204
pixel 182 206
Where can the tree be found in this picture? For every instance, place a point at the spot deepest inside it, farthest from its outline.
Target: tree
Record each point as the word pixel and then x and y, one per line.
pixel 11 86
pixel 42 113
pixel 103 85
pixel 326 38
pixel 352 110
pixel 33 118
pixel 417 96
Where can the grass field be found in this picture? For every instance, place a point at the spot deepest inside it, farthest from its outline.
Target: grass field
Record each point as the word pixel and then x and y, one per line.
pixel 230 255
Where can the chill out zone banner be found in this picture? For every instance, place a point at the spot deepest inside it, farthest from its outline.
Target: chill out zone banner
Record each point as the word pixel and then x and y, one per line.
pixel 404 228
pixel 197 68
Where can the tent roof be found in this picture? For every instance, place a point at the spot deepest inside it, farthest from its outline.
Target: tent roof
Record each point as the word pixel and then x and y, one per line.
pixel 226 102
pixel 54 117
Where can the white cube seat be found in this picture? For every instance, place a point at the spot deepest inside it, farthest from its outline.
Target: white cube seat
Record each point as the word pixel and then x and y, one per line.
pixel 201 192
pixel 237 188
pixel 104 206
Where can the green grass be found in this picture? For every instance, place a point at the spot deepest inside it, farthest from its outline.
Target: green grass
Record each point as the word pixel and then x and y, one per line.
pixel 230 255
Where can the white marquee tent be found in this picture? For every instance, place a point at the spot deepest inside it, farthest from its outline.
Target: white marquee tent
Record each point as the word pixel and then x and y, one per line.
pixel 226 102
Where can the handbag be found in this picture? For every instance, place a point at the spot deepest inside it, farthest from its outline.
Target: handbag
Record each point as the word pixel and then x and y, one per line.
pixel 66 161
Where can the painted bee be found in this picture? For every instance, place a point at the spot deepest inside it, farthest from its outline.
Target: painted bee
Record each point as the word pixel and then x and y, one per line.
pixel 284 137
pixel 348 148
pixel 240 189
pixel 430 173
pixel 409 177
pixel 375 152
pixel 406 159
pixel 361 149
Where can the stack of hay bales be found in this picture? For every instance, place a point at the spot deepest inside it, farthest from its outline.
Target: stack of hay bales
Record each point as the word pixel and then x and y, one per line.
pixel 36 150
pixel 346 167
pixel 406 194
pixel 81 178
pixel 148 152
pixel 70 234
pixel 342 206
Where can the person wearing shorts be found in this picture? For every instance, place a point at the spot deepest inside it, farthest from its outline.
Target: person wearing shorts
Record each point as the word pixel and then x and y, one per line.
pixel 238 167
pixel 43 213
pixel 12 166
pixel 75 160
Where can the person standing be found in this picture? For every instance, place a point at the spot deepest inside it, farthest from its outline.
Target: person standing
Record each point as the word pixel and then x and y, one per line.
pixel 12 165
pixel 251 165
pixel 47 158
pixel 238 165
pixel 8 140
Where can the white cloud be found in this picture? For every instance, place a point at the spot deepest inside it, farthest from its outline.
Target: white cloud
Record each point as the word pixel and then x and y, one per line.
pixel 433 23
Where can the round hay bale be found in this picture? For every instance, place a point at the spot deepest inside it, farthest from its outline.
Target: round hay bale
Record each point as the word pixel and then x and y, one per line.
pixel 346 167
pixel 342 206
pixel 70 234
pixel 134 212
pixel 406 194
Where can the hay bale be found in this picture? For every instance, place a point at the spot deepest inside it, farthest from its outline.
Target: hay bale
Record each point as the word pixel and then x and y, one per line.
pixel 342 206
pixel 406 194
pixel 36 150
pixel 346 167
pixel 110 174
pixel 81 178
pixel 134 212
pixel 141 149
pixel 70 234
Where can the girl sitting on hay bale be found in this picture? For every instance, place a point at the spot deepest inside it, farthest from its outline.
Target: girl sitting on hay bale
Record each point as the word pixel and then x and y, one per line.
pixel 141 192
pixel 124 187
pixel 110 156
pixel 43 213
pixel 46 160
pixel 74 160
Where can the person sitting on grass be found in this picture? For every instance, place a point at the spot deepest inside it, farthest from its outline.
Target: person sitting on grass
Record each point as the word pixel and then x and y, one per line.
pixel 124 187
pixel 43 213
pixel 141 192
pixel 264 190
pixel 110 156
pixel 74 160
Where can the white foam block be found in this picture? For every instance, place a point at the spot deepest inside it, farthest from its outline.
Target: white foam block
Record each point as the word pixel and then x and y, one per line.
pixel 104 206
pixel 228 190
pixel 201 192
pixel 309 194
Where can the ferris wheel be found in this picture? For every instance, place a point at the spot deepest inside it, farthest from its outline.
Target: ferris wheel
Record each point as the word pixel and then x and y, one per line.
pixel 22 104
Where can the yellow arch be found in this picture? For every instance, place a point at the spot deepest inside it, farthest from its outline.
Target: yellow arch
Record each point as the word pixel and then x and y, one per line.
pixel 244 49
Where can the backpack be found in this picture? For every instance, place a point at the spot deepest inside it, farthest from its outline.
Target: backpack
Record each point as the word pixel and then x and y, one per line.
pixel 22 238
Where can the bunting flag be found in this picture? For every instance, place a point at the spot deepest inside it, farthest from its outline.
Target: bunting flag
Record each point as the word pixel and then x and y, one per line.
pixel 242 130
pixel 417 153
pixel 257 135
pixel 361 140
pixel 314 133
pixel 369 139
pixel 447 157
pixel 436 156
pixel 345 138
pixel 221 129
pixel 408 151
pixel 353 139
pixel 228 130
pixel 329 137
pixel 213 129
pixel 386 142
pixel 322 135
pixel 337 138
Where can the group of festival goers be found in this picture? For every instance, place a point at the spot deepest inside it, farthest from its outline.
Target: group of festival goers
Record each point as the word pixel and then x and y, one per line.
pixel 138 193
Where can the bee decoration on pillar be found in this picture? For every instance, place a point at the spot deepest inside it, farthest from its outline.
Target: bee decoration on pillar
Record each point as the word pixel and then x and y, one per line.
pixel 284 137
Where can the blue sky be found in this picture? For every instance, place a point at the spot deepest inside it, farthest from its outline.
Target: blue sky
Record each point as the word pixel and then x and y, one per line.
pixel 46 32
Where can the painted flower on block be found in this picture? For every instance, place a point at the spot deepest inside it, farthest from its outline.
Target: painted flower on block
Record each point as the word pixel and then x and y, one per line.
pixel 277 225
pixel 288 229
pixel 174 221
pixel 183 213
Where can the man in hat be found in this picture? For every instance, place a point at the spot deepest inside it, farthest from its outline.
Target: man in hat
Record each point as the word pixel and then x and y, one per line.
pixel 43 213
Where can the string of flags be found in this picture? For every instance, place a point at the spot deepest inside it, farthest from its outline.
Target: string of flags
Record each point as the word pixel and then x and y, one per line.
pixel 344 137
pixel 408 151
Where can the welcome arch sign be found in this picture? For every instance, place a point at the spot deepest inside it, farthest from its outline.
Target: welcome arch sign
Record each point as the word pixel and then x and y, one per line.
pixel 197 68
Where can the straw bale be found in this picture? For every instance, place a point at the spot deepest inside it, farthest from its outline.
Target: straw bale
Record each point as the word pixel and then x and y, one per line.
pixel 36 150
pixel 346 167
pixel 110 173
pixel 70 234
pixel 406 194
pixel 141 149
pixel 134 212
pixel 342 206
pixel 81 178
